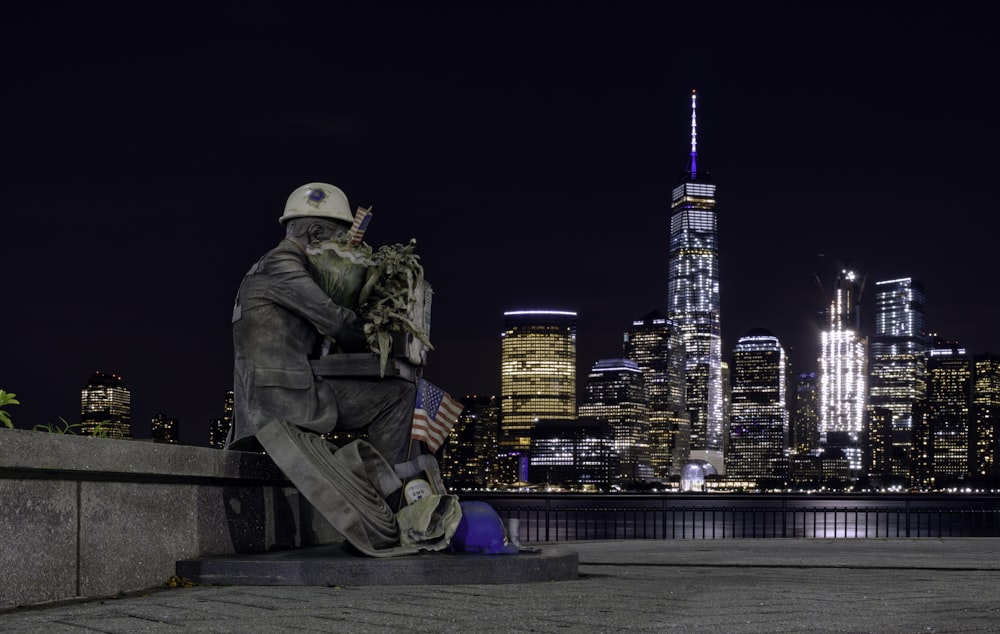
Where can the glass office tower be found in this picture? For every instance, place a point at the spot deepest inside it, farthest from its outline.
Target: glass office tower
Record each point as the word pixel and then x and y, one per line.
pixel 537 372
pixel 985 416
pixel 693 302
pixel 758 427
pixel 573 454
pixel 941 439
pixel 653 343
pixel 898 362
pixel 616 392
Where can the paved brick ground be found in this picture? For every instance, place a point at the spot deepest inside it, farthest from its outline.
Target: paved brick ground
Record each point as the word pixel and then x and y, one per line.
pixel 770 585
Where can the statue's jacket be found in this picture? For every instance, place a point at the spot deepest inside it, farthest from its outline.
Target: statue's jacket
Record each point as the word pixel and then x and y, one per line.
pixel 280 318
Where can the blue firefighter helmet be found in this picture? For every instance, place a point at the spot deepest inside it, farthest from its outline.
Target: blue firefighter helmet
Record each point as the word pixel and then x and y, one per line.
pixel 480 531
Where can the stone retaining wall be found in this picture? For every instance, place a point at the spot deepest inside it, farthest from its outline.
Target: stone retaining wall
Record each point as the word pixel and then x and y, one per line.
pixel 92 517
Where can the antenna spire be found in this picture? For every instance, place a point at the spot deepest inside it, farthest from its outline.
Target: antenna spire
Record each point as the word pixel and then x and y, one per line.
pixel 694 133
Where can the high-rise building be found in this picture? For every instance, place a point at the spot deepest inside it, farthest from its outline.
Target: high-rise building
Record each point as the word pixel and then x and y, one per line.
pixel 941 444
pixel 537 372
pixel 469 457
pixel 106 407
pixel 576 454
pixel 985 416
pixel 693 302
pixel 727 397
pixel 804 438
pixel 898 362
pixel 878 433
pixel 758 427
pixel 654 344
pixel 458 454
pixel 616 392
pixel 218 428
pixel 164 429
pixel 843 373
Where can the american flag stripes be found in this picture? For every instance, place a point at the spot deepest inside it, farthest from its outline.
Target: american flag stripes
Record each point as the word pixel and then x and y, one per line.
pixel 357 231
pixel 436 412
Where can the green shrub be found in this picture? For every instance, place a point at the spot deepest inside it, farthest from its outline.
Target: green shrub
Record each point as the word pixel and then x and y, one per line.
pixel 7 398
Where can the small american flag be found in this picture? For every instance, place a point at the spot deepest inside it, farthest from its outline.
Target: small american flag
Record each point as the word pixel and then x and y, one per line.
pixel 361 219
pixel 435 414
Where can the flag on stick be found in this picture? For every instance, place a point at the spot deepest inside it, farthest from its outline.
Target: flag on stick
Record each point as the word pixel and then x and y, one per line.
pixel 435 414
pixel 357 231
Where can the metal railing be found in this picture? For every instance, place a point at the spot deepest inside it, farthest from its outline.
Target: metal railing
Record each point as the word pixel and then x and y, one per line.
pixel 570 517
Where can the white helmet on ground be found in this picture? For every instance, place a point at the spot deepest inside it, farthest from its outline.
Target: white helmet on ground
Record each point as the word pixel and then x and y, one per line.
pixel 320 200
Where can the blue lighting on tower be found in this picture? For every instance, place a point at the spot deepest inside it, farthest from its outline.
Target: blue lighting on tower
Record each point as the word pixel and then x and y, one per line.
pixel 694 133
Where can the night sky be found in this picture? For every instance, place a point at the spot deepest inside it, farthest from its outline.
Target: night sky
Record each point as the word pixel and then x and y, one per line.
pixel 530 148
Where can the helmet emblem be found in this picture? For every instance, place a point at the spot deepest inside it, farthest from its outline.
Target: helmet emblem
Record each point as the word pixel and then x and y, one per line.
pixel 316 197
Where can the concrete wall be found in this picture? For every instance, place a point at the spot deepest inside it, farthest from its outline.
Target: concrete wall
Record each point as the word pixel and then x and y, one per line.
pixel 90 517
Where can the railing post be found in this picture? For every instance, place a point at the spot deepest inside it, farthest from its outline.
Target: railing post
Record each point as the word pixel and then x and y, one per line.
pixel 784 517
pixel 907 517
pixel 547 518
pixel 663 506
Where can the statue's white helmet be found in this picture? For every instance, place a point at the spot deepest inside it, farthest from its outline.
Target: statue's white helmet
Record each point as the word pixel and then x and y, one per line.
pixel 320 200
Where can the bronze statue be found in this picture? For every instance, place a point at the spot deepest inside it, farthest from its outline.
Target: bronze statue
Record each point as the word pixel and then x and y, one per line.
pixel 329 335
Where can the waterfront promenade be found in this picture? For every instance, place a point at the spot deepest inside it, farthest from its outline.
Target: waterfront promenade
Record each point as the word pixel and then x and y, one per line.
pixel 733 585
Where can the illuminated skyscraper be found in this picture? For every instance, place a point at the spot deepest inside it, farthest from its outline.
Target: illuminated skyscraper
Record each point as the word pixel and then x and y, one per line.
pixel 878 436
pixel 537 372
pixel 941 423
pixel 164 429
pixel 758 428
pixel 843 373
pixel 106 407
pixel 219 427
pixel 576 454
pixel 805 424
pixel 469 457
pixel 616 393
pixel 985 415
pixel 654 344
pixel 693 302
pixel 898 361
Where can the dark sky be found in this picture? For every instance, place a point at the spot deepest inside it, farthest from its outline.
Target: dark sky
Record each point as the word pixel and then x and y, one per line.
pixel 530 148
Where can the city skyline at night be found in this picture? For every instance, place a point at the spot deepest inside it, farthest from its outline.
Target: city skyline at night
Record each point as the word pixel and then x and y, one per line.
pixel 531 152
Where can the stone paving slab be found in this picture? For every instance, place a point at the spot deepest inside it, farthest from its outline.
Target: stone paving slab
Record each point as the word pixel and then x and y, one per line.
pixel 978 553
pixel 771 585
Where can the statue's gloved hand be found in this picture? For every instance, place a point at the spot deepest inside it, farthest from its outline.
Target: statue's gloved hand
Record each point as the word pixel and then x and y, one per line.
pixel 351 337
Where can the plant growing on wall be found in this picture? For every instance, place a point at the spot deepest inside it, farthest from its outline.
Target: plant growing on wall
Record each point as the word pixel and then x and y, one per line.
pixel 7 398
pixel 100 429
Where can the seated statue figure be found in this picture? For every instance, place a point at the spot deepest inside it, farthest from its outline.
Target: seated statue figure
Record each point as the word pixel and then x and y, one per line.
pixel 329 336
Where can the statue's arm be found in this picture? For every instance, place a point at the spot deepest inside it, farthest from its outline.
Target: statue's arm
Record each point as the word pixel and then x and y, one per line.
pixel 293 288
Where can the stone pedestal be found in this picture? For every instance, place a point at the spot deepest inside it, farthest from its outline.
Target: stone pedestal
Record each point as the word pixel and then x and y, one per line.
pixel 337 565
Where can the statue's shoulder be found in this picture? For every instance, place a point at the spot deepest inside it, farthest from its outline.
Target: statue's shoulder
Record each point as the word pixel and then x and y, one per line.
pixel 285 257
